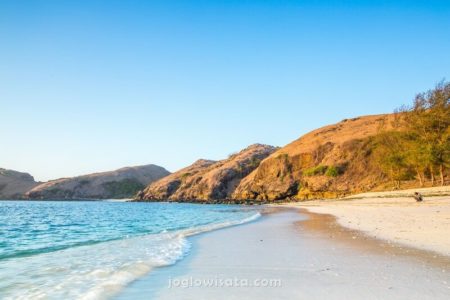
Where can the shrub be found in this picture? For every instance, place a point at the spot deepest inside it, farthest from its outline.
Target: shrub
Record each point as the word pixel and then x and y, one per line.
pixel 332 171
pixel 314 171
pixel 184 176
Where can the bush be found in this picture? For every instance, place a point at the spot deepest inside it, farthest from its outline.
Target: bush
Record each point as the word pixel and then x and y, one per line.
pixel 332 171
pixel 314 171
pixel 184 176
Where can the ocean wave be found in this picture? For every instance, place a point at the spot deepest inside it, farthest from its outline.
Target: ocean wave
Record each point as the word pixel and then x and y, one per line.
pixel 100 270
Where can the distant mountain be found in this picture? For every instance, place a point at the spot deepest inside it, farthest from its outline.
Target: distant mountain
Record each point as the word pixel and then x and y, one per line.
pixel 118 184
pixel 208 180
pixel 13 184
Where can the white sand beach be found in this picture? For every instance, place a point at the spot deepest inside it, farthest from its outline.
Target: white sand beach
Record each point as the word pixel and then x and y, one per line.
pixel 424 225
pixel 292 255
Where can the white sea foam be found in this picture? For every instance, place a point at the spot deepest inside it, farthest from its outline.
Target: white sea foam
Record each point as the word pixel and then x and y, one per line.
pixel 96 271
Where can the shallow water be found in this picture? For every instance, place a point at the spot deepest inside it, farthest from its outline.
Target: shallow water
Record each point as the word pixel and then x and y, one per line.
pixel 91 250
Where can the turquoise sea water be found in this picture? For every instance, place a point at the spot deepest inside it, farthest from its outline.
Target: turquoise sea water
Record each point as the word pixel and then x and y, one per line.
pixel 90 250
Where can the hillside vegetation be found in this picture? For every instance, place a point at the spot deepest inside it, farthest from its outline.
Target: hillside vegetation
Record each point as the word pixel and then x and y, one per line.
pixel 421 150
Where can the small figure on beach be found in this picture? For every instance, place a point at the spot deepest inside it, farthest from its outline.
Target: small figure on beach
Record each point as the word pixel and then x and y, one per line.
pixel 418 197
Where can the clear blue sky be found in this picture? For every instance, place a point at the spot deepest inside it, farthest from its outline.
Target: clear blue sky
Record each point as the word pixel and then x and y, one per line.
pixel 96 85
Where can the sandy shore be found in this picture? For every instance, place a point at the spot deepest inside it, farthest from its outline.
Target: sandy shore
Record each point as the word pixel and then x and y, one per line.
pixel 424 225
pixel 290 255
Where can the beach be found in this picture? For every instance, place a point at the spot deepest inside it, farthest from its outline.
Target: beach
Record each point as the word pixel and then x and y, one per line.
pixel 369 246
pixel 294 254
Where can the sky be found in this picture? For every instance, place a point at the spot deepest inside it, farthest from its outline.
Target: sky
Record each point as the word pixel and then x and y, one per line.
pixel 89 86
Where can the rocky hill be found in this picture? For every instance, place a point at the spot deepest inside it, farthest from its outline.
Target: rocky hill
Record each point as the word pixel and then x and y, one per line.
pixel 328 162
pixel 121 183
pixel 166 187
pixel 13 184
pixel 208 180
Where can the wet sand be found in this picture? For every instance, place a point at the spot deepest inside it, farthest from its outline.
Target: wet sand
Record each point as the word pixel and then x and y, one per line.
pixel 398 220
pixel 328 226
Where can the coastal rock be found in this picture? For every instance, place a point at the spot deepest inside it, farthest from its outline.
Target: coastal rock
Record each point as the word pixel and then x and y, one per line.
pixel 207 180
pixel 14 184
pixel 326 163
pixel 118 184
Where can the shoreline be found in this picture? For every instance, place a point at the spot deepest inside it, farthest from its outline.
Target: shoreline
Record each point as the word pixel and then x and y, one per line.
pixel 282 245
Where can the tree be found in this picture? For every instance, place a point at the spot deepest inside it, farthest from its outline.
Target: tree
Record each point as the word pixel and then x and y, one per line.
pixel 391 153
pixel 416 156
pixel 428 120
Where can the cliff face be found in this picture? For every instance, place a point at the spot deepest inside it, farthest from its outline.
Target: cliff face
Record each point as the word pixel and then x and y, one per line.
pixel 121 183
pixel 166 187
pixel 331 161
pixel 209 180
pixel 14 185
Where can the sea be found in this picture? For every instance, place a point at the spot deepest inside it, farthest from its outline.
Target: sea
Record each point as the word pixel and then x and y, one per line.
pixel 93 249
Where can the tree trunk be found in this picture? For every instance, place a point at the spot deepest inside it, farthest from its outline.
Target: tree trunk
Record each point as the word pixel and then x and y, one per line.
pixel 419 176
pixel 432 175
pixel 392 179
pixel 441 174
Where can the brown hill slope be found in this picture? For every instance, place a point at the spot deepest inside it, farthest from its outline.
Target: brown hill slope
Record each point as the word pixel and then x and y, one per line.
pixel 327 162
pixel 164 188
pixel 121 183
pixel 209 180
pixel 14 185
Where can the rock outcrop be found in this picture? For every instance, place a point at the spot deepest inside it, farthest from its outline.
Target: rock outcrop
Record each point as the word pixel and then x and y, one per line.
pixel 14 185
pixel 208 180
pixel 118 184
pixel 165 188
pixel 328 162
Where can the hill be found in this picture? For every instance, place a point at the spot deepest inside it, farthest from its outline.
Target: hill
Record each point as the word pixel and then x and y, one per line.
pixel 328 162
pixel 208 180
pixel 118 184
pixel 13 184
